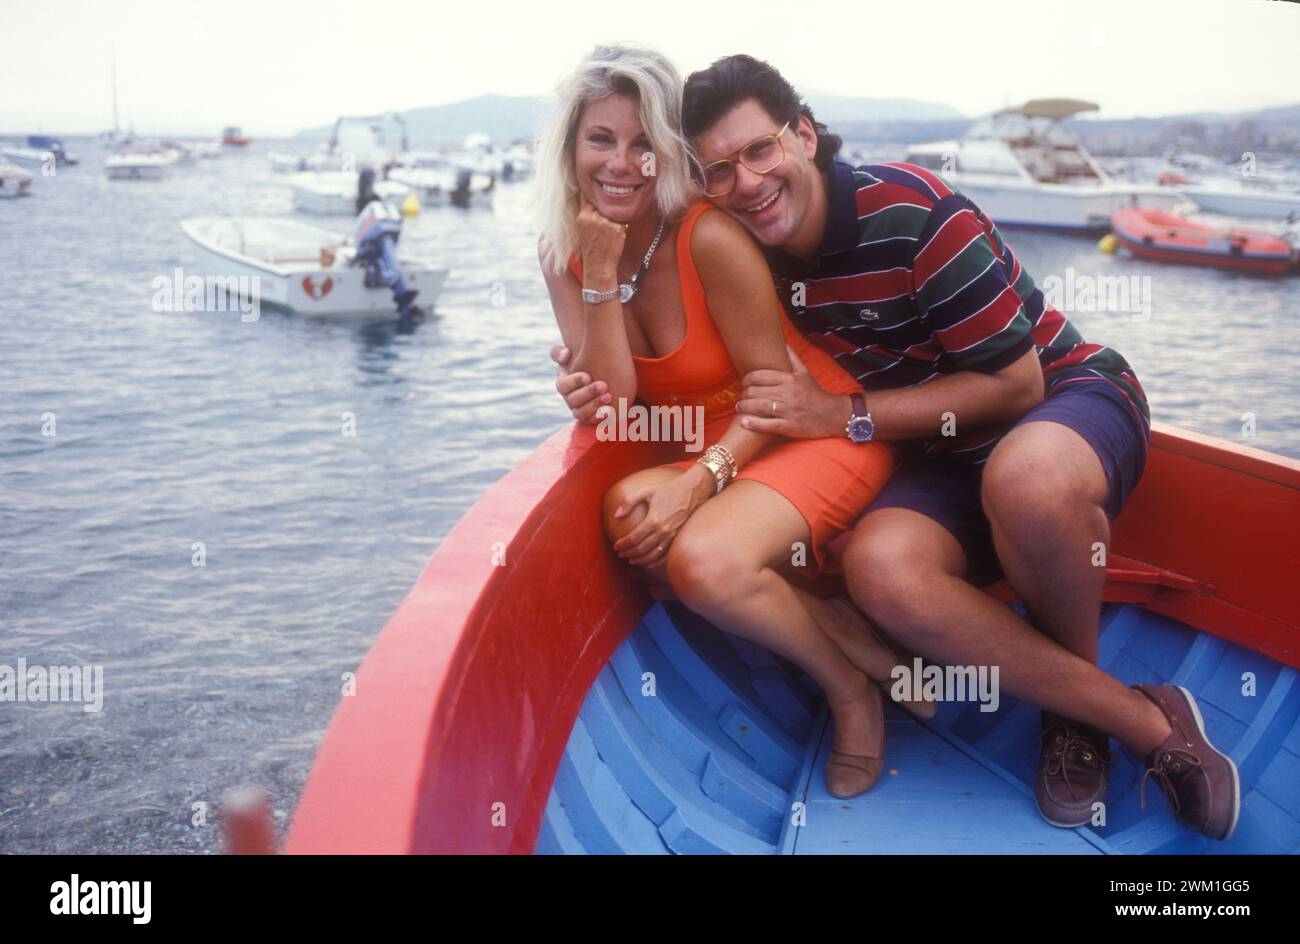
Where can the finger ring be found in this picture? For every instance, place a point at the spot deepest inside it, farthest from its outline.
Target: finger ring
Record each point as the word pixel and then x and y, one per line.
pixel 661 549
pixel 774 408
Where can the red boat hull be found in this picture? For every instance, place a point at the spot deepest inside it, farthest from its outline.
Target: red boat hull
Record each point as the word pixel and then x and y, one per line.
pixel 1163 237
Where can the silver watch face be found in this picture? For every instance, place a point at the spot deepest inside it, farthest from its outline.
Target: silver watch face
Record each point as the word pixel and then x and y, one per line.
pixel 861 429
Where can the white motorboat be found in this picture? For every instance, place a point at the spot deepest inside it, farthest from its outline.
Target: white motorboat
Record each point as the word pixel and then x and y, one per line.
pixel 442 186
pixel 517 163
pixel 14 181
pixel 34 158
pixel 1023 168
pixel 181 152
pixel 303 268
pixel 283 162
pixel 206 150
pixel 45 142
pixel 334 192
pixel 138 165
pixel 1245 197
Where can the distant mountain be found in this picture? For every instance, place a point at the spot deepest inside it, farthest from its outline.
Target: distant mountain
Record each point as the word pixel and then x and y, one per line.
pixel 883 120
pixel 834 109
pixel 1282 114
pixel 506 118
pixel 502 117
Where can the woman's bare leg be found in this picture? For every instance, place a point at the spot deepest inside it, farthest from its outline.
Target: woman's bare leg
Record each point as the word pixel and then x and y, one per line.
pixel 616 528
pixel 722 565
pixel 839 618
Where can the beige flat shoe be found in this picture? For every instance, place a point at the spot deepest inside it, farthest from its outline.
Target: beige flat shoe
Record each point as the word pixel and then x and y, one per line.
pixel 918 709
pixel 850 775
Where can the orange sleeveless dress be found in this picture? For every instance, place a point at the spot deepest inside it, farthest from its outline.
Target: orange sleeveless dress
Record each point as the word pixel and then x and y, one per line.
pixel 830 481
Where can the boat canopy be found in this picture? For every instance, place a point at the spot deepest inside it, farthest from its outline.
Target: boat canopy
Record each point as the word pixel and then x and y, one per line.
pixel 1052 108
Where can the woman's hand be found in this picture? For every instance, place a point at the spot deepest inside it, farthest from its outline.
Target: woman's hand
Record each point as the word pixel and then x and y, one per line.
pixel 668 506
pixel 600 243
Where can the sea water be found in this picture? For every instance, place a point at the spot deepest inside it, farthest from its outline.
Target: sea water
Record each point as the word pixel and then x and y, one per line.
pixel 221 514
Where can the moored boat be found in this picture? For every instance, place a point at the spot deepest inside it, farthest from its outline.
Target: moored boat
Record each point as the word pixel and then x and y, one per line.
pixel 139 164
pixel 1245 197
pixel 235 137
pixel 14 181
pixel 302 268
pixel 206 150
pixel 1023 168
pixel 283 162
pixel 45 142
pixel 34 158
pixel 1164 237
pixel 447 186
pixel 529 696
pixel 334 192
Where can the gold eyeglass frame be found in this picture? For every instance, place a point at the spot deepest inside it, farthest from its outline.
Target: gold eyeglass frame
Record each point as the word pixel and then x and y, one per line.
pixel 704 173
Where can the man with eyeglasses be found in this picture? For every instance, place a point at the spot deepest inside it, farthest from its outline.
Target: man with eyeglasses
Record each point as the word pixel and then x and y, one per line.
pixel 1025 439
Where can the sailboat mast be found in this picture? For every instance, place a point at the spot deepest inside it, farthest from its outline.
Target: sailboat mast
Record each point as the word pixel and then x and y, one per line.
pixel 113 69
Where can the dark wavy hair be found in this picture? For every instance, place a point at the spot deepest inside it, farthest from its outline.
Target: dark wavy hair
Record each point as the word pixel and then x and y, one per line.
pixel 712 92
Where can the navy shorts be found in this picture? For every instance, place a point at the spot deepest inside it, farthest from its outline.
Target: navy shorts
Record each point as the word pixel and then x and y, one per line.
pixel 949 492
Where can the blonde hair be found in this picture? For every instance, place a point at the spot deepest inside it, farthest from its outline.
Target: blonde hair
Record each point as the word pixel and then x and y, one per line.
pixel 616 69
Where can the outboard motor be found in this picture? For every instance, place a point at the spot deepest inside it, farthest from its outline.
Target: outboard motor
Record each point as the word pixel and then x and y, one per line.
pixel 365 189
pixel 460 196
pixel 377 229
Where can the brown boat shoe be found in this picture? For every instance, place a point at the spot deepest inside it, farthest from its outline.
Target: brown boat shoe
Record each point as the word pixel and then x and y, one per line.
pixel 1073 771
pixel 1200 782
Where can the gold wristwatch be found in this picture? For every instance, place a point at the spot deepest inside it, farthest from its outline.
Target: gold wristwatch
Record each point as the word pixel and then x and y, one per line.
pixel 719 460
pixel 718 467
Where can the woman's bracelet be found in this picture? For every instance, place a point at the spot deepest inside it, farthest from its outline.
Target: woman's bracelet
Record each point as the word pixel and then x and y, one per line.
pixel 719 460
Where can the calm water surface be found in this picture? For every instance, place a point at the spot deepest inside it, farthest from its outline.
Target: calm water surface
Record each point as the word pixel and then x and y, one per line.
pixel 171 429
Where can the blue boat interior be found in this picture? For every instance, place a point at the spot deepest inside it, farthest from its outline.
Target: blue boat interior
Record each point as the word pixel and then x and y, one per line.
pixel 695 741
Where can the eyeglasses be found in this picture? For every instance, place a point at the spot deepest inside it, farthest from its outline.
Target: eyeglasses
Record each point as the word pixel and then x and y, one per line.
pixel 762 156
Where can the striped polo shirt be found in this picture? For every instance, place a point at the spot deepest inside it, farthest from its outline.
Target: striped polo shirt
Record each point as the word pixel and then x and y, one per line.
pixel 911 282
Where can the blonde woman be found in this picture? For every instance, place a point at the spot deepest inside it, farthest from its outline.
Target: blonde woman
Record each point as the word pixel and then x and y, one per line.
pixel 665 300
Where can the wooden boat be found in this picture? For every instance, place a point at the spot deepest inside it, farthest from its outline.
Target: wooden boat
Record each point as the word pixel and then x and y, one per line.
pixel 1164 237
pixel 506 705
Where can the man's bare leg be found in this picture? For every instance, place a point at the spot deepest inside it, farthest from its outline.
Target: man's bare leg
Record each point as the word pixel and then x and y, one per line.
pixel 906 573
pixel 1043 493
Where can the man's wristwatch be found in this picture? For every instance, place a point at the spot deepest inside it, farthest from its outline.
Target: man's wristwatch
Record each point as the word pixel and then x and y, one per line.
pixel 860 428
pixel 622 294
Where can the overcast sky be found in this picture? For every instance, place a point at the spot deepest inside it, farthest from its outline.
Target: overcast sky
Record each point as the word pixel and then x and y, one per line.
pixel 274 67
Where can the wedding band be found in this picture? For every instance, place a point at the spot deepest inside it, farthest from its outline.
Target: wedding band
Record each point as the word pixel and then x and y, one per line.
pixel 774 408
pixel 661 548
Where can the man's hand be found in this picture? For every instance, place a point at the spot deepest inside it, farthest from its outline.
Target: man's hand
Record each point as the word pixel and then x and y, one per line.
pixel 581 396
pixel 793 405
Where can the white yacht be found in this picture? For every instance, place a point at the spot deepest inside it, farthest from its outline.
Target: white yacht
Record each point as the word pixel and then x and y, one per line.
pixel 1023 168
pixel 1246 197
